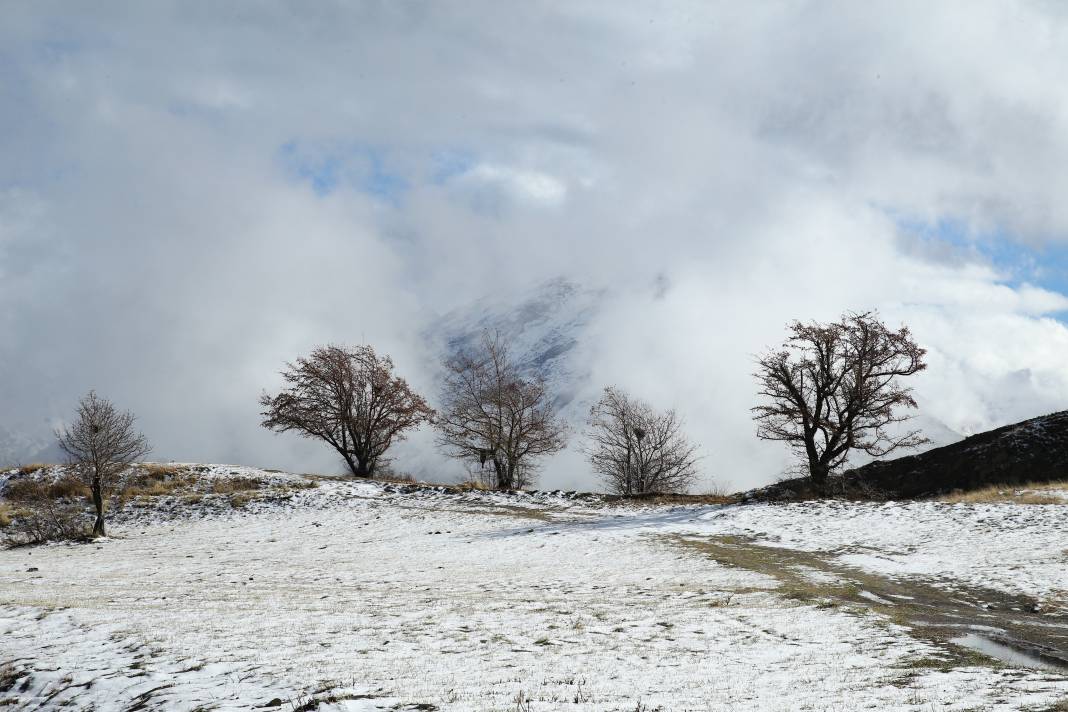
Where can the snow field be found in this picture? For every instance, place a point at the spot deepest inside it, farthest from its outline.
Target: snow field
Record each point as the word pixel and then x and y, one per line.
pixel 455 602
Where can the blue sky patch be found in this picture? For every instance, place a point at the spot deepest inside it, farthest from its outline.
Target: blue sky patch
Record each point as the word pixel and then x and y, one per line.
pixel 331 166
pixel 449 164
pixel 1042 266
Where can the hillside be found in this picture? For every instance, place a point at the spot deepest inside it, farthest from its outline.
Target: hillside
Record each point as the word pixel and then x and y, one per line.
pixel 1034 450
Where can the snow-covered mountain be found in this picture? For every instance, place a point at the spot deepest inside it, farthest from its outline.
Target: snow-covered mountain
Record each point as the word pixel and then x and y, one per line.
pixel 542 329
pixel 19 447
pixel 934 429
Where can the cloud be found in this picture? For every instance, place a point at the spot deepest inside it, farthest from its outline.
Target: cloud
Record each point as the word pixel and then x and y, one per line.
pixel 533 186
pixel 193 194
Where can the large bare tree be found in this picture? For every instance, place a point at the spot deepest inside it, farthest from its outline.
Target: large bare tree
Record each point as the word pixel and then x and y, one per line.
pixel 101 445
pixel 636 449
pixel 491 416
pixel 834 388
pixel 350 399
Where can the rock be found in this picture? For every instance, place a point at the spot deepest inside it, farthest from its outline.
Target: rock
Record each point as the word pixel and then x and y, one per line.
pixel 31 569
pixel 276 702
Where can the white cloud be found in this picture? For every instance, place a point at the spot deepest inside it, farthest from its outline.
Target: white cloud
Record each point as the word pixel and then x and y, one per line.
pixel 524 185
pixel 749 153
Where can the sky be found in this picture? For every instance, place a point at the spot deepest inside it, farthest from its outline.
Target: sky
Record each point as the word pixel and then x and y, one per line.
pixel 193 193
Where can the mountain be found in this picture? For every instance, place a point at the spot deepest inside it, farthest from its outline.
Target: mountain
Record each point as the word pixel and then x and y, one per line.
pixel 542 329
pixel 938 433
pixel 17 447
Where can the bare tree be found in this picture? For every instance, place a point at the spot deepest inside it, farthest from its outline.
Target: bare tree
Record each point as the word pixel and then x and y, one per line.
pixel 636 449
pixel 349 398
pixel 834 388
pixel 101 445
pixel 493 415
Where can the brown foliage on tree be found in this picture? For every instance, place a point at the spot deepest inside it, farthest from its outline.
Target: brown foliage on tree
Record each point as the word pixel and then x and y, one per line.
pixel 834 388
pixel 349 398
pixel 492 415
pixel 101 445
pixel 636 449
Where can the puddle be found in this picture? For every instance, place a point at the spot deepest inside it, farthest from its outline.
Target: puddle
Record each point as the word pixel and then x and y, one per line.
pixel 1004 653
pixel 875 598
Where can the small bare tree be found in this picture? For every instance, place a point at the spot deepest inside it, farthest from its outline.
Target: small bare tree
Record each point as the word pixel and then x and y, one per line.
pixel 834 388
pixel 493 415
pixel 350 399
pixel 46 511
pixel 636 449
pixel 101 445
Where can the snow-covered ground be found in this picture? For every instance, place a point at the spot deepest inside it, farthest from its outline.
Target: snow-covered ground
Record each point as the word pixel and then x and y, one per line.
pixel 379 598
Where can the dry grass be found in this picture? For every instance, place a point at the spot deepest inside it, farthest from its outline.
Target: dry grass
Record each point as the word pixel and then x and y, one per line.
pixel 159 488
pixel 160 469
pixel 299 485
pixel 231 485
pixel 33 467
pixel 240 499
pixel 667 498
pixel 7 512
pixel 1030 493
pixel 8 676
pixel 156 480
pixel 69 488
pixel 401 478
pixel 717 490
pixel 29 489
pixel 474 484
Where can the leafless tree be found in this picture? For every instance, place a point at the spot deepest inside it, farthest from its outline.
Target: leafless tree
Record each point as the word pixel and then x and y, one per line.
pixel 349 398
pixel 493 416
pixel 834 388
pixel 101 444
pixel 636 449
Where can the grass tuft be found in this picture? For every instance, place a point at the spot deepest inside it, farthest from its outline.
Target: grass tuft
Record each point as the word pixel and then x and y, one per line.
pixel 159 469
pixel 8 676
pixel 474 484
pixel 233 485
pixel 240 499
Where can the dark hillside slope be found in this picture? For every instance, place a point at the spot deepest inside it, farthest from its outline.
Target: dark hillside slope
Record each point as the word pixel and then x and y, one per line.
pixel 1034 450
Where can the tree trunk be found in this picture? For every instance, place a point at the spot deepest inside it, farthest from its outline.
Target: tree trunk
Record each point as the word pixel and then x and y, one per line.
pixel 353 468
pixel 503 481
pixel 98 502
pixel 819 472
pixel 362 469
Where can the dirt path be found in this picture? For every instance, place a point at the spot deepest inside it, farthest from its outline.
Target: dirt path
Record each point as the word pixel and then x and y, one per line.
pixel 972 625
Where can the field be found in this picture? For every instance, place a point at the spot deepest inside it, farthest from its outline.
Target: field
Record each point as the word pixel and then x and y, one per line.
pixel 370 596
